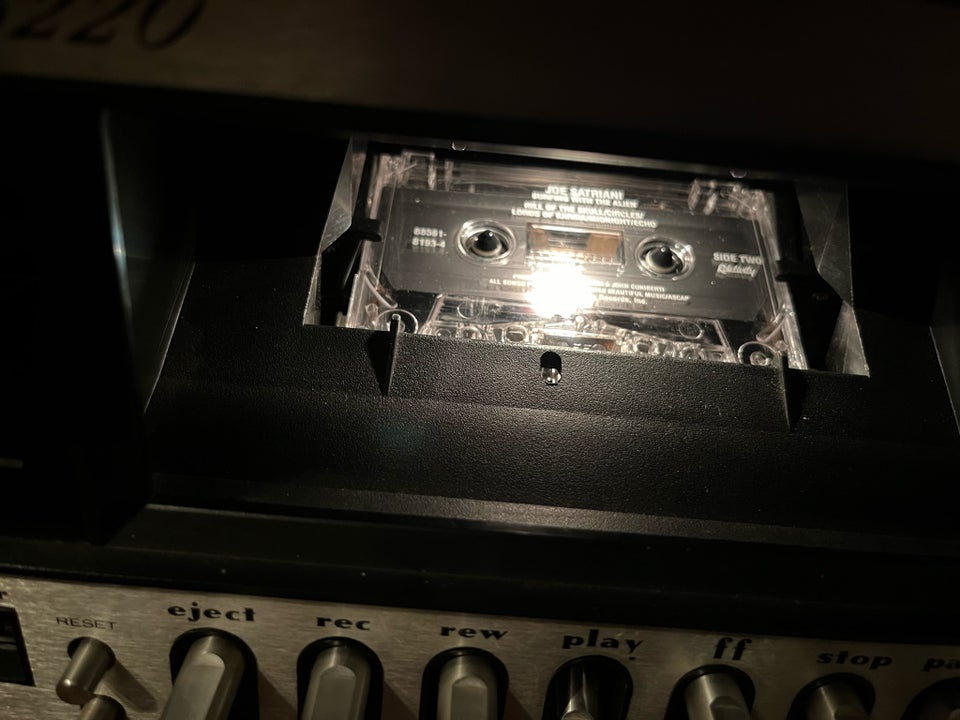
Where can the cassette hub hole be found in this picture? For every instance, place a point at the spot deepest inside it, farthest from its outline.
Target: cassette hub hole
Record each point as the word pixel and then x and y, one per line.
pixel 486 241
pixel 663 258
pixel 487 244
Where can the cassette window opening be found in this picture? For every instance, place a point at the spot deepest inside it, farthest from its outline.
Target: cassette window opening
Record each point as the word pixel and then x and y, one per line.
pixel 500 250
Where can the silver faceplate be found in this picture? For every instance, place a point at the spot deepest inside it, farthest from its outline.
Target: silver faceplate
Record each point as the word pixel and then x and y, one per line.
pixel 137 623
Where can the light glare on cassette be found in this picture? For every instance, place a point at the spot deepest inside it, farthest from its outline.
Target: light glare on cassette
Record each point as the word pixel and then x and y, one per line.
pixel 500 252
pixel 560 289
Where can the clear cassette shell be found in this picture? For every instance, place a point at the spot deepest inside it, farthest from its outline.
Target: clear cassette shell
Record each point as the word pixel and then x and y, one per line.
pixel 501 252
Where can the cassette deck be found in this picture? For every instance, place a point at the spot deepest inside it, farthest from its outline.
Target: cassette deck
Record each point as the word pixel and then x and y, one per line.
pixel 324 395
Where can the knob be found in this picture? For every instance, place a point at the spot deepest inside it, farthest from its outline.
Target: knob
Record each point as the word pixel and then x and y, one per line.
pixel 89 661
pixel 467 689
pixel 339 685
pixel 591 688
pixel 102 708
pixel 939 702
pixel 715 696
pixel 583 702
pixel 835 701
pixel 207 682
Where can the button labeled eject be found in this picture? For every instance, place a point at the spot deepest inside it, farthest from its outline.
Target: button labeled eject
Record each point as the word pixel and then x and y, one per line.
pixel 208 681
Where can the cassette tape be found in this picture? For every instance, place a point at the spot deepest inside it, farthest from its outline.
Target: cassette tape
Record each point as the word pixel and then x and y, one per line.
pixel 503 252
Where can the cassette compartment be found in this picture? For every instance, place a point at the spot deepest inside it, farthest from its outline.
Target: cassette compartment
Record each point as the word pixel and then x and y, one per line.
pixel 254 409
pixel 502 251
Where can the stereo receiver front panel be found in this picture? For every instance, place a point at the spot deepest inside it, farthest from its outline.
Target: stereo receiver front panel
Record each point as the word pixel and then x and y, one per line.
pixel 149 649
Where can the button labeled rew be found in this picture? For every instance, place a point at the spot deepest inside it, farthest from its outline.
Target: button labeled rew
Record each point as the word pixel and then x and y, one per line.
pixel 467 690
pixel 463 684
